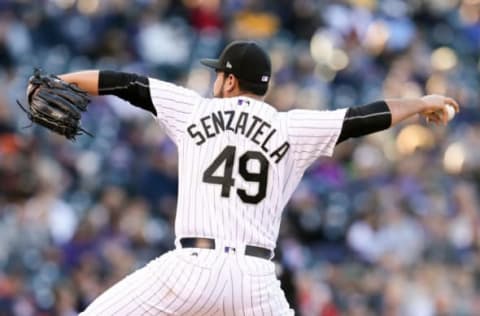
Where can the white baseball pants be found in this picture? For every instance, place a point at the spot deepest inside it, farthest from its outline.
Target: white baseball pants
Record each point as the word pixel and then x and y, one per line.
pixel 196 282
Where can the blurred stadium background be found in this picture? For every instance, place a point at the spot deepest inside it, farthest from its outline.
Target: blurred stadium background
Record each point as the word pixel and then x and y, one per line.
pixel 389 226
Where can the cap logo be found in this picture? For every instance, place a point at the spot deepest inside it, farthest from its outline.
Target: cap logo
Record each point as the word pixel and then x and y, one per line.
pixel 264 78
pixel 228 65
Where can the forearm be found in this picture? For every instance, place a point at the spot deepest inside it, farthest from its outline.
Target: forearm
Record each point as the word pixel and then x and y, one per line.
pixel 402 109
pixel 127 86
pixel 365 119
pixel 377 116
pixel 86 80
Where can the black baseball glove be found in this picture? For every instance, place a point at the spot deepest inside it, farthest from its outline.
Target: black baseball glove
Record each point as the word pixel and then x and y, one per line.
pixel 56 104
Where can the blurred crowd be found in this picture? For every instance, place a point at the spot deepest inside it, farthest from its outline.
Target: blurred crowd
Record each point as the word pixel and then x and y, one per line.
pixel 389 226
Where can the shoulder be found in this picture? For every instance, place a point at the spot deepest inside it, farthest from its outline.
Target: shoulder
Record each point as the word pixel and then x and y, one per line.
pixel 316 114
pixel 159 87
pixel 264 107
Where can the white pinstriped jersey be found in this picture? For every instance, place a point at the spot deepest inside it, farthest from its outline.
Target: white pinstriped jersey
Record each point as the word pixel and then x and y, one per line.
pixel 240 160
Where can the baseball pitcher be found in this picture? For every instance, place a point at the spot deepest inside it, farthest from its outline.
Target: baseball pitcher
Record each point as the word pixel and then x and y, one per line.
pixel 239 162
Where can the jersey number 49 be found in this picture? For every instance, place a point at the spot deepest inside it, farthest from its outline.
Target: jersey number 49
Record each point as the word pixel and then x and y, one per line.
pixel 227 181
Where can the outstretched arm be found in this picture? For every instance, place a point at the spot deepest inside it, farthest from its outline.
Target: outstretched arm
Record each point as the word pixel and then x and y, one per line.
pixel 86 80
pixel 169 103
pixel 374 117
pixel 130 87
pixel 432 107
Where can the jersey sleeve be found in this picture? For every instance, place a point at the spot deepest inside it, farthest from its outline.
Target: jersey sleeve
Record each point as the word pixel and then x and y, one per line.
pixel 313 134
pixel 173 105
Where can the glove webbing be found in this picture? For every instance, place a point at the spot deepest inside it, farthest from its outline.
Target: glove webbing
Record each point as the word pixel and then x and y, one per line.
pixel 45 120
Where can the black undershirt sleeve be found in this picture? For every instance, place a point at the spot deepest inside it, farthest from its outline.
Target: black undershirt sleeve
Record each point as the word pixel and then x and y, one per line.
pixel 130 87
pixel 366 119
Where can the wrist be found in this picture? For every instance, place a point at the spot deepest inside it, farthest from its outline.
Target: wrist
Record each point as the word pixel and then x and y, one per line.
pixel 422 105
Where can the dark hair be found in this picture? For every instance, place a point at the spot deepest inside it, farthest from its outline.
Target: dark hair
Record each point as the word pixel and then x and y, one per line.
pixel 255 88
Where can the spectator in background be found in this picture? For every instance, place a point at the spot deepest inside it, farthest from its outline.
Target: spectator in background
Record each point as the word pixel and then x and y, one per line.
pixel 413 251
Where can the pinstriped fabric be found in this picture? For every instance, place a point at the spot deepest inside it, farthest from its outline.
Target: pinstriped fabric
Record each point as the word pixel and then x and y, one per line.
pixel 207 220
pixel 162 291
pixel 185 293
pixel 207 301
pixel 270 301
pixel 208 213
pixel 121 298
pixel 243 305
pixel 143 291
pixel 194 304
pixel 209 282
pixel 214 305
pixel 314 133
pixel 183 185
pixel 233 297
pixel 174 106
pixel 195 282
pixel 202 211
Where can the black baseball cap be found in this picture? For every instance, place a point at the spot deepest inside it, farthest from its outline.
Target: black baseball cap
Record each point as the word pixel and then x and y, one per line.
pixel 246 60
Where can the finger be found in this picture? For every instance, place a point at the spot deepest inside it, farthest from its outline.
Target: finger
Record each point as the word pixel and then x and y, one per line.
pixel 436 120
pixel 453 103
pixel 444 115
pixel 439 117
pixel 432 118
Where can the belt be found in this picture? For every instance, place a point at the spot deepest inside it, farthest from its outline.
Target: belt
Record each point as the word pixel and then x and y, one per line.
pixel 208 243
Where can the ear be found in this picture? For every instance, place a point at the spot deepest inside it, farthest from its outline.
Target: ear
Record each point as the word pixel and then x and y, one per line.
pixel 231 83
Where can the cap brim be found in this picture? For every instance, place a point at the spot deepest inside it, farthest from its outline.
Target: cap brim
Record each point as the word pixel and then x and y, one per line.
pixel 212 63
